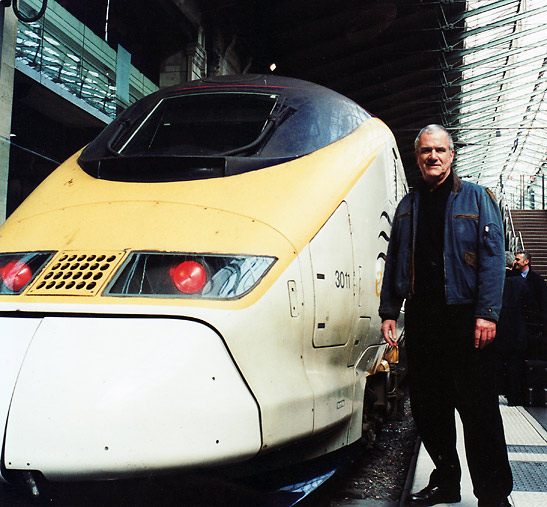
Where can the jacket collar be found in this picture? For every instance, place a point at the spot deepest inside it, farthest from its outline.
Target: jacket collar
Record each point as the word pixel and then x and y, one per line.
pixel 456 183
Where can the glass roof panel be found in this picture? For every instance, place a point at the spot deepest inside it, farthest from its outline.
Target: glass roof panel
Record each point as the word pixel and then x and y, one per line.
pixel 497 110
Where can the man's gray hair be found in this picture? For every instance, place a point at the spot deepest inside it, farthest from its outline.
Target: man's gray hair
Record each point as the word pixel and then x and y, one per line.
pixel 527 255
pixel 509 259
pixel 431 129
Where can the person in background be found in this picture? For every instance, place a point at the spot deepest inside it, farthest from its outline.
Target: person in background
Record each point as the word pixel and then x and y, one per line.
pixel 446 258
pixel 535 311
pixel 511 339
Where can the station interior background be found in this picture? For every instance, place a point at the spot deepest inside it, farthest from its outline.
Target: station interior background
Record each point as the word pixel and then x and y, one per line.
pixel 475 66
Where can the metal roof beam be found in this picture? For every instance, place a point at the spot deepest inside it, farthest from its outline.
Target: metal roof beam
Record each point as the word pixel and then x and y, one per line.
pixel 521 157
pixel 449 68
pixel 526 104
pixel 487 112
pixel 498 83
pixel 472 149
pixel 500 70
pixel 485 166
pixel 496 101
pixel 498 94
pixel 522 109
pixel 487 139
pixel 499 163
pixel 464 52
pixel 497 24
pixel 510 148
pixel 467 14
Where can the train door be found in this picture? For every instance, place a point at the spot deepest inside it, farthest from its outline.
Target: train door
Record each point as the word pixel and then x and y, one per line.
pixel 331 252
pixel 333 278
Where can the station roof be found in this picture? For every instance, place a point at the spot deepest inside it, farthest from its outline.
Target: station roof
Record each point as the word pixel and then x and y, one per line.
pixel 477 67
pixel 385 55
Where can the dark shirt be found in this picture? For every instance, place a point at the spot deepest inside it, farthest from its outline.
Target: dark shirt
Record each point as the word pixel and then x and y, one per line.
pixel 429 252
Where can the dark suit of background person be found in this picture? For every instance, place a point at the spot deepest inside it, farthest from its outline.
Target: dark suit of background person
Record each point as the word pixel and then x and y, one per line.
pixel 445 257
pixel 511 339
pixel 535 311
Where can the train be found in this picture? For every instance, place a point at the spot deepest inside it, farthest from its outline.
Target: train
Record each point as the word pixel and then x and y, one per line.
pixel 198 287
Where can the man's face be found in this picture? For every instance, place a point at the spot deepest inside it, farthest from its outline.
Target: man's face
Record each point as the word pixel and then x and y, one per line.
pixel 521 262
pixel 434 157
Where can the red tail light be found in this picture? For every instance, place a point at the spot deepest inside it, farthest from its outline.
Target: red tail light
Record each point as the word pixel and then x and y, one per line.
pixel 189 277
pixel 15 275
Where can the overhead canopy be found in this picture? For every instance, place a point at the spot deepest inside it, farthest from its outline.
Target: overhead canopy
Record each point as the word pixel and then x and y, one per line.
pixel 498 114
pixel 476 66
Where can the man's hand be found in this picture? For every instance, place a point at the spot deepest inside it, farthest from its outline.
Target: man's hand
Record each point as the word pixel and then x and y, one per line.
pixel 485 332
pixel 389 330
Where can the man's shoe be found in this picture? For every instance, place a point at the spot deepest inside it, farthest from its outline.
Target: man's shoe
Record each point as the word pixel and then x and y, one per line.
pixel 502 503
pixel 432 495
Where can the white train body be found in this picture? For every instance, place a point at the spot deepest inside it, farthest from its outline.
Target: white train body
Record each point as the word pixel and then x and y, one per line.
pixel 113 381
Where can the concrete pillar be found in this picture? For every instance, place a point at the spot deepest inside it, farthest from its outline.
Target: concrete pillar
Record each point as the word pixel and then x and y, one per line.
pixel 185 65
pixel 173 69
pixel 123 72
pixel 197 61
pixel 8 34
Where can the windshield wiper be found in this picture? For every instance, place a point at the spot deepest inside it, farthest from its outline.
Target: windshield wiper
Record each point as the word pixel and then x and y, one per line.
pixel 124 125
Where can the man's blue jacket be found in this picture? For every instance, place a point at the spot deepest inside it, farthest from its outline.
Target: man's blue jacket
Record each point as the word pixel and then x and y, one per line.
pixel 474 253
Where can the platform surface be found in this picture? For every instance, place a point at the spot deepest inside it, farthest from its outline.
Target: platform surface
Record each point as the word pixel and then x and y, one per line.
pixel 527 447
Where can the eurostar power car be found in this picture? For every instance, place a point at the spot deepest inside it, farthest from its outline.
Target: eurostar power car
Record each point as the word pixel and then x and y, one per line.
pixel 199 286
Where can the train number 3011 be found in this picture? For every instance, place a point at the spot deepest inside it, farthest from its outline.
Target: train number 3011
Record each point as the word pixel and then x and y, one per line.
pixel 342 280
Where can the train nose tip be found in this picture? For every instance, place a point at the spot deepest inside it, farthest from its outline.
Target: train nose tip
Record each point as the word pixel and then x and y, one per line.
pixel 127 399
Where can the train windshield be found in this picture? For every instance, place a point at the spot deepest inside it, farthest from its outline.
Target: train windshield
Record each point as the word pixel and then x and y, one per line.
pixel 204 124
pixel 217 131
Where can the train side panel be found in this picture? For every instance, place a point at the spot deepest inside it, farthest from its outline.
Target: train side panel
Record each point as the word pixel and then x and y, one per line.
pixel 347 260
pixel 372 205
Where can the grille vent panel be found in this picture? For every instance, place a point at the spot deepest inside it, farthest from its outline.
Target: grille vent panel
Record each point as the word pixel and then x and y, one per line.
pixel 72 273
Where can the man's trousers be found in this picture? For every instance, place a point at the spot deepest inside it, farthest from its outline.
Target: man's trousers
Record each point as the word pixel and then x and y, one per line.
pixel 446 373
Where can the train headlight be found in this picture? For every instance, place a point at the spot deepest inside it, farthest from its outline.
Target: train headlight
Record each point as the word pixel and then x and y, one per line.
pixel 15 275
pixel 189 277
pixel 205 276
pixel 18 269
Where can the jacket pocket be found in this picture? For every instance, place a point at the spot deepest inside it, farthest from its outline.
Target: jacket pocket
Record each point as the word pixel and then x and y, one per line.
pixel 470 258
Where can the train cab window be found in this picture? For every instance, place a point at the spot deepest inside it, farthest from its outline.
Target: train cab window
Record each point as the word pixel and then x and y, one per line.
pixel 202 124
pixel 210 131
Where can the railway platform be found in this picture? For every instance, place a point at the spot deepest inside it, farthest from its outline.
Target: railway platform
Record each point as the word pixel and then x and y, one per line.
pixel 526 437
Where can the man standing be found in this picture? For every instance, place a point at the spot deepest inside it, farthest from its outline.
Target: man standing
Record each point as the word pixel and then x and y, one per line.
pixel 446 258
pixel 535 311
pixel 511 339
